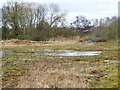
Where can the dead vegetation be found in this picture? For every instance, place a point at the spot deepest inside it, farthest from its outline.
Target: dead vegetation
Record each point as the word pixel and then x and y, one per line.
pixel 24 71
pixel 53 75
pixel 15 42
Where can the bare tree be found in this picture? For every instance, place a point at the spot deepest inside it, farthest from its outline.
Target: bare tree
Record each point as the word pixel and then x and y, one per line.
pixel 55 17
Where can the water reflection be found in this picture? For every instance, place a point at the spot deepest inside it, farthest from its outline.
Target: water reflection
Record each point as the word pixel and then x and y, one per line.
pixel 66 53
pixel 48 52
pixel 6 53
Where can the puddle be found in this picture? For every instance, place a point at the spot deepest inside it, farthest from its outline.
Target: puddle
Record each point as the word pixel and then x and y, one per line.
pixel 1 54
pixel 6 53
pixel 112 61
pixel 48 52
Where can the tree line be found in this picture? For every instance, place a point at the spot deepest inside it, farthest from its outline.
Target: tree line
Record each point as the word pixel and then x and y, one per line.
pixel 42 22
pixel 23 20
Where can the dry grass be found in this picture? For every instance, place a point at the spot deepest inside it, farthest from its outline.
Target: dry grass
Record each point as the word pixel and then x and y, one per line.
pixel 16 42
pixel 53 75
pixel 60 72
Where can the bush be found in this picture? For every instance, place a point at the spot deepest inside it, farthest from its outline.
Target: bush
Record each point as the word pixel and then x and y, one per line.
pixel 106 32
pixel 112 31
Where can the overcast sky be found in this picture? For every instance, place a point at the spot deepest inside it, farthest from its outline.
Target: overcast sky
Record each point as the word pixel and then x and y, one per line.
pixel 89 8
